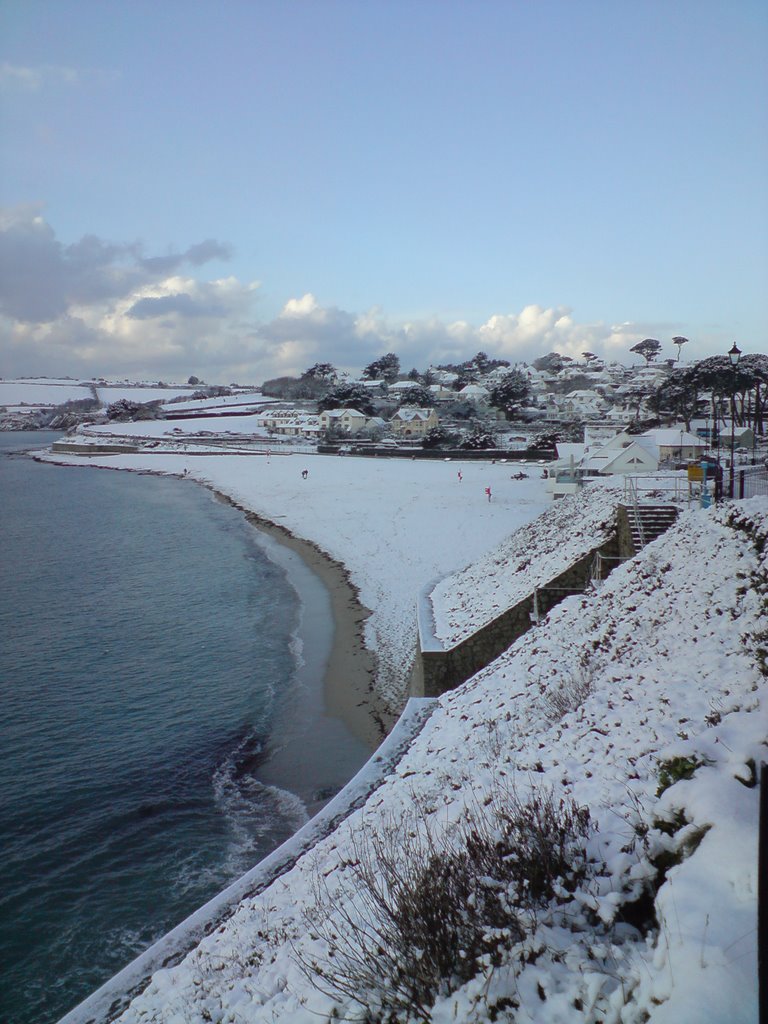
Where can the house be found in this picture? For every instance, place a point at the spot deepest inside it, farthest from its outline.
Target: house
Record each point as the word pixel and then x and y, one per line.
pixel 622 454
pixel 444 377
pixel 413 422
pixel 582 404
pixel 743 437
pixel 607 461
pixel 474 393
pixel 440 393
pixel 375 387
pixel 348 420
pixel 674 443
pixel 399 387
pixel 376 423
pixel 289 422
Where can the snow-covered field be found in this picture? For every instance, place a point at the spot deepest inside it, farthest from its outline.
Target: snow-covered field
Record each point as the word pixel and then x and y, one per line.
pixel 643 703
pixel 530 557
pixel 244 424
pixel 39 392
pixel 140 393
pixel 246 398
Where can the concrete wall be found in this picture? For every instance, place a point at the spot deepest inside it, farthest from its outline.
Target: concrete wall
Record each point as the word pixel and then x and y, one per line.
pixel 94 449
pixel 444 454
pixel 625 544
pixel 436 671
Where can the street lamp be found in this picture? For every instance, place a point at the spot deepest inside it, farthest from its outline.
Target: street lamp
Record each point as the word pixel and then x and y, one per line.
pixel 734 355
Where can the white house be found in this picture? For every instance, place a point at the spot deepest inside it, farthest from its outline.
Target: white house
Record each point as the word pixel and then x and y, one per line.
pixel 474 393
pixel 445 377
pixel 674 443
pixel 398 387
pixel 635 458
pixel 582 404
pixel 622 454
pixel 374 386
pixel 440 393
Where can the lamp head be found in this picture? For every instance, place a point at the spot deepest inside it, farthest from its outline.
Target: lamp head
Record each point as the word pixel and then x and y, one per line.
pixel 734 355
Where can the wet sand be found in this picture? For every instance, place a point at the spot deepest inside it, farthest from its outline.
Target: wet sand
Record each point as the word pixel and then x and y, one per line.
pixel 350 674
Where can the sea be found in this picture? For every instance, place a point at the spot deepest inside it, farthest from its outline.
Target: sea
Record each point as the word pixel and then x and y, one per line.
pixel 162 718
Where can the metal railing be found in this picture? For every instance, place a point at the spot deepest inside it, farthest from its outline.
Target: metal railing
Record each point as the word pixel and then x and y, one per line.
pixel 632 496
pixel 751 481
pixel 666 486
pixel 597 573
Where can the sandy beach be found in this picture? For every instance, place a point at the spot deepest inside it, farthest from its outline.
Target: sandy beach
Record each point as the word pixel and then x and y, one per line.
pixel 349 682
pixel 349 689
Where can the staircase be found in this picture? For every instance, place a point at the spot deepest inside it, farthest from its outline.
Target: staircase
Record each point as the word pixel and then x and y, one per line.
pixel 647 522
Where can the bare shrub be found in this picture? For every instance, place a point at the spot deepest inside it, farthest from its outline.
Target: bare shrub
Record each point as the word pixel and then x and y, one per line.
pixel 570 693
pixel 419 913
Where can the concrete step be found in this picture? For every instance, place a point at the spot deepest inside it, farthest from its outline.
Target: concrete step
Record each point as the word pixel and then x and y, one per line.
pixel 647 522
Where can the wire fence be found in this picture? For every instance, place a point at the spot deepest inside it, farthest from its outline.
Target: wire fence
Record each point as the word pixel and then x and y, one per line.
pixel 751 481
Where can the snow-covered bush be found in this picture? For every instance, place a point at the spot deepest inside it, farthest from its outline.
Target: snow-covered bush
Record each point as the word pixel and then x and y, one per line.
pixel 421 913
pixel 124 409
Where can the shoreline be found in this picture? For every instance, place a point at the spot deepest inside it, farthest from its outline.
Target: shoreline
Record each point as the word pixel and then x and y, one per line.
pixel 349 677
pixel 348 684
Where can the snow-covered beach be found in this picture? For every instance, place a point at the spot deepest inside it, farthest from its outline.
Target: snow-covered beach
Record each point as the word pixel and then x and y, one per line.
pixel 394 525
pixel 641 702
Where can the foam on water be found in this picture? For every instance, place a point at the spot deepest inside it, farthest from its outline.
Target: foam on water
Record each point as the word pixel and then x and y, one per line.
pixel 258 816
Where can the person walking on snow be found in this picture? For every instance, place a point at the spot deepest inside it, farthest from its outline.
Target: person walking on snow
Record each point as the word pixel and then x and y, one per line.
pixel 459 476
pixel 488 492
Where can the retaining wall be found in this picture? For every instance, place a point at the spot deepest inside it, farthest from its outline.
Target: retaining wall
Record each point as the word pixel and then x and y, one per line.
pixel 65 447
pixel 438 669
pixel 625 543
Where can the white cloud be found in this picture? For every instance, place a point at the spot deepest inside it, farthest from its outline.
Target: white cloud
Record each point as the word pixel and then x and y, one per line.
pixel 17 77
pixel 95 307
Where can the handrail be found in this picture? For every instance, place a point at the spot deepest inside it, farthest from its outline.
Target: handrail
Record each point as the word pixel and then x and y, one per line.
pixel 675 485
pixel 631 486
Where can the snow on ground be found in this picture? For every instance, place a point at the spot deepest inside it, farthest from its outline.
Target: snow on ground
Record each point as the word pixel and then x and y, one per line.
pixel 246 398
pixel 140 392
pixel 234 425
pixel 643 702
pixel 531 557
pixel 48 391
pixel 395 524
pixel 42 392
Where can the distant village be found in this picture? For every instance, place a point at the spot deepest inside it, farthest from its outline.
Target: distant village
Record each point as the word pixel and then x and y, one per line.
pixel 584 417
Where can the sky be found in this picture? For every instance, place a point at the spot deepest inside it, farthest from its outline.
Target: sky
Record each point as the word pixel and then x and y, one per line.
pixel 239 190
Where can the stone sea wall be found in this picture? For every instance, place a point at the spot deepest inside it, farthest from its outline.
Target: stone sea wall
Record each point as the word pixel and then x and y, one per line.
pixel 437 670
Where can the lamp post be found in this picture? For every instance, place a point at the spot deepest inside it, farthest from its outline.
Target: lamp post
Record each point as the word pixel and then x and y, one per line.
pixel 734 355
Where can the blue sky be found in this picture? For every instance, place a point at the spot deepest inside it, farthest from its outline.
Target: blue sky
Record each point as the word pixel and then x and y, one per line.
pixel 241 189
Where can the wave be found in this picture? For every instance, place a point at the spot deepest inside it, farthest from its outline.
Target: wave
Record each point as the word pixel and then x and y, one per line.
pixel 258 816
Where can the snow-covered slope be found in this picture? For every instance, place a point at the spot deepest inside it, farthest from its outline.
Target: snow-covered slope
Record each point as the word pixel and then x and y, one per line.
pixel 643 703
pixel 529 558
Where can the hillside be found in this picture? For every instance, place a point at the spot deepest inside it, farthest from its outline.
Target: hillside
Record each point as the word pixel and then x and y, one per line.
pixel 580 819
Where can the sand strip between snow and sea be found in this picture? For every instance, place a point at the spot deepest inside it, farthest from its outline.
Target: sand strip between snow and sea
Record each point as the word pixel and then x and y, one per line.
pixel 349 684
pixel 349 681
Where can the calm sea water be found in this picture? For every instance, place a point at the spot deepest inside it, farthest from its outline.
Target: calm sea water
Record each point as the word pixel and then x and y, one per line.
pixel 148 655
